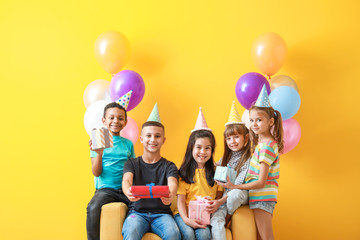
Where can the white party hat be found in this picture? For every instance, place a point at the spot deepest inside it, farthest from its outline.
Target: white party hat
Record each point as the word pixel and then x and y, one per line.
pixel 124 100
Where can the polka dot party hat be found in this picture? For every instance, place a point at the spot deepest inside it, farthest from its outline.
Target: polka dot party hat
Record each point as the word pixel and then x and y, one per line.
pixel 154 115
pixel 234 117
pixel 263 98
pixel 201 123
pixel 124 100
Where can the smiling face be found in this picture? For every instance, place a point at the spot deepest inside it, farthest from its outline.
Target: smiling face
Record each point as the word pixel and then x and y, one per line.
pixel 236 142
pixel 260 123
pixel 152 138
pixel 202 151
pixel 115 120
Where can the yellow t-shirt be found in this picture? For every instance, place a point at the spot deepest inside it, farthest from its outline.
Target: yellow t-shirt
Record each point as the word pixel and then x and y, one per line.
pixel 200 187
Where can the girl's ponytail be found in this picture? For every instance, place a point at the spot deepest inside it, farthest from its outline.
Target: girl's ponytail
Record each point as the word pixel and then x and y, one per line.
pixel 278 132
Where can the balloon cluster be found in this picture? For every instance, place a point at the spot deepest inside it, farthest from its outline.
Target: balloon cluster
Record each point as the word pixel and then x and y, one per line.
pixel 112 51
pixel 269 51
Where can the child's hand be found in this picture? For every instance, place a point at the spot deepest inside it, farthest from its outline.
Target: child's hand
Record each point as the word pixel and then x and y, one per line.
pixel 228 184
pixel 167 200
pixel 213 206
pixel 98 151
pixel 194 223
pixel 130 196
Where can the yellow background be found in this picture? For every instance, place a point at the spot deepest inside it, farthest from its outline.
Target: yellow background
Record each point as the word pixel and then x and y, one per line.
pixel 190 54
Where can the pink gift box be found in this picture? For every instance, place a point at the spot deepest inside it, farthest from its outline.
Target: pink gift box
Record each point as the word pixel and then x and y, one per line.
pixel 197 210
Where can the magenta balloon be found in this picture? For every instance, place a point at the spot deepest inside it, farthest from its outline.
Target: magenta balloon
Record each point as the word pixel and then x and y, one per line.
pixel 248 88
pixel 123 82
pixel 130 131
pixel 292 134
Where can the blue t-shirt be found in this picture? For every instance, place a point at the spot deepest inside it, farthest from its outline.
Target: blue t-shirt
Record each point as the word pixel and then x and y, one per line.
pixel 113 161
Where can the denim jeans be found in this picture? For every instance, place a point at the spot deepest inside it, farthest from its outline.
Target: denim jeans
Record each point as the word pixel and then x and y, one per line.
pixel 137 224
pixel 236 198
pixel 101 197
pixel 189 233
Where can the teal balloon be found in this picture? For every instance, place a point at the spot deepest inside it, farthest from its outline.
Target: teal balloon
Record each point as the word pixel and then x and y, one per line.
pixel 286 100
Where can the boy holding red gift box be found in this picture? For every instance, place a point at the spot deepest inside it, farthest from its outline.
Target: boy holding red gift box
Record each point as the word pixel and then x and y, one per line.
pixel 107 165
pixel 150 214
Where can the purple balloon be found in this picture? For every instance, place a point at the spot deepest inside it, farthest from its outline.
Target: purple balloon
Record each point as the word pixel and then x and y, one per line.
pixel 248 88
pixel 123 82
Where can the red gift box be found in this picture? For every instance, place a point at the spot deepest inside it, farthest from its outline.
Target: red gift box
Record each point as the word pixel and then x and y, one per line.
pixel 150 191
pixel 197 210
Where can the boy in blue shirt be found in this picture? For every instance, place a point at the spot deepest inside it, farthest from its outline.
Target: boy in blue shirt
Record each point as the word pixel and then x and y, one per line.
pixel 107 167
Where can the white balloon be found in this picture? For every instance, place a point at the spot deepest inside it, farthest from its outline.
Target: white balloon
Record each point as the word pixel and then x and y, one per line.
pixel 93 115
pixel 245 118
pixel 95 91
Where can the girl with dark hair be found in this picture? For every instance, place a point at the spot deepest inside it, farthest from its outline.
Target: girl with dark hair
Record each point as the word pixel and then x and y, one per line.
pixel 197 179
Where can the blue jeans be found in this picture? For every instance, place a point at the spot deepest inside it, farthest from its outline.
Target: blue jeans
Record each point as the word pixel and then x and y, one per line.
pixel 189 233
pixel 137 224
pixel 100 198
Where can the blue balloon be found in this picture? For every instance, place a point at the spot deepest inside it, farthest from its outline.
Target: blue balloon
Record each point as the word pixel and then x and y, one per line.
pixel 286 100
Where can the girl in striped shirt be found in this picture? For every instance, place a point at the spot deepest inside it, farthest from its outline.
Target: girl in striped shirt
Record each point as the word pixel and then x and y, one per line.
pixel 261 180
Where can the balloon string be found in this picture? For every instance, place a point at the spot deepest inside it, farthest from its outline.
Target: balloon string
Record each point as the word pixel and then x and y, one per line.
pixel 269 77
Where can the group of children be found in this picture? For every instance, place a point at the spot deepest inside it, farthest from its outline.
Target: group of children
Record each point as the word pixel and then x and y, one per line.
pixel 253 154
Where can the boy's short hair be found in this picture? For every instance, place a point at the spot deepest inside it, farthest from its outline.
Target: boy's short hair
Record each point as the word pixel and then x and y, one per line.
pixel 114 105
pixel 153 124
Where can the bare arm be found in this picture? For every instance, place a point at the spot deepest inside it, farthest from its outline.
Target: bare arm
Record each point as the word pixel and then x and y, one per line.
pixel 260 183
pixel 215 204
pixel 96 162
pixel 183 213
pixel 173 186
pixel 127 182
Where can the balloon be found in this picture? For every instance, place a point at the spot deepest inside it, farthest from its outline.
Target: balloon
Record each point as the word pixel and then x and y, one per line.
pixel 123 82
pixel 269 51
pixel 248 88
pixel 130 131
pixel 245 118
pixel 112 51
pixel 292 134
pixel 282 80
pixel 286 100
pixel 96 90
pixel 93 115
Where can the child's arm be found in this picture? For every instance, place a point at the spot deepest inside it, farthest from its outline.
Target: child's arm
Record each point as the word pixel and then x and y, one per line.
pixel 173 186
pixel 96 162
pixel 182 211
pixel 126 184
pixel 215 204
pixel 260 183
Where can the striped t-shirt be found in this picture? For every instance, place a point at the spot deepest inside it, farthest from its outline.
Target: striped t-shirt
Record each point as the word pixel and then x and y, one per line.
pixel 266 152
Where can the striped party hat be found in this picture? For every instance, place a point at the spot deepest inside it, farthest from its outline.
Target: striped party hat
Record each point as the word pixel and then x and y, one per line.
pixel 154 115
pixel 124 100
pixel 201 123
pixel 263 98
pixel 234 117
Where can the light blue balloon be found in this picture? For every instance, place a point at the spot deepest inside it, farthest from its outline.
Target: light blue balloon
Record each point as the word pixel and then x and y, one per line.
pixel 286 100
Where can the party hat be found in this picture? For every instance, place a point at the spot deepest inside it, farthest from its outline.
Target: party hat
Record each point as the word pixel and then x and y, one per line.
pixel 154 115
pixel 124 100
pixel 234 117
pixel 263 98
pixel 200 123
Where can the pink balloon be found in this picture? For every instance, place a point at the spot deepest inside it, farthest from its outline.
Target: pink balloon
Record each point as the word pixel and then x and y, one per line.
pixel 130 131
pixel 292 134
